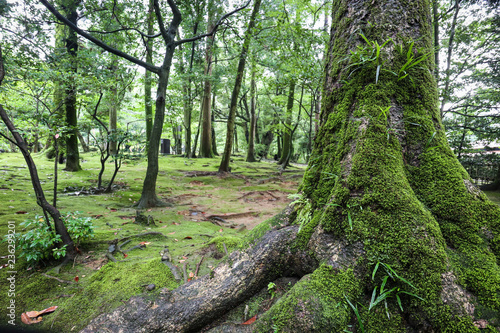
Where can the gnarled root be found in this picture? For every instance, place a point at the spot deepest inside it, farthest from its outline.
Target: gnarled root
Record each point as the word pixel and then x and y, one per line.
pixel 199 302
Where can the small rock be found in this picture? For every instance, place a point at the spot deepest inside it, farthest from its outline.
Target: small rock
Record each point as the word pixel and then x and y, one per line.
pixel 151 287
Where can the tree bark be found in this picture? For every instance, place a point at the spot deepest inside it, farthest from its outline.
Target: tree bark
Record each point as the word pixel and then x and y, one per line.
pixel 286 150
pixel 148 102
pixel 226 157
pixel 384 204
pixel 253 119
pixel 72 153
pixel 206 110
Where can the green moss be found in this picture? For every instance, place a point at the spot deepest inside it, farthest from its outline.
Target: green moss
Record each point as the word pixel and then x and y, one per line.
pixel 231 242
pixel 316 303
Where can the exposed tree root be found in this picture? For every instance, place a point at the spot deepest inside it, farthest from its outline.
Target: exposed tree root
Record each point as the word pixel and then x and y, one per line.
pixel 199 302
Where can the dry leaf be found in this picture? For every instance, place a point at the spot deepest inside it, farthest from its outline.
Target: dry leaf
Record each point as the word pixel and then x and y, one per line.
pixel 188 237
pixel 191 274
pixel 250 321
pixel 28 321
pixel 77 278
pixel 171 233
pixel 154 306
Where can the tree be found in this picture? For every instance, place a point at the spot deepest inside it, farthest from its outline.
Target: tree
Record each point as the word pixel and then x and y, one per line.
pixel 226 157
pixel 47 208
pixel 148 196
pixel 388 234
pixel 206 103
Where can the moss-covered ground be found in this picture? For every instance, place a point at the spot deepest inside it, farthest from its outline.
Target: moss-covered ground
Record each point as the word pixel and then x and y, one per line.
pixel 252 194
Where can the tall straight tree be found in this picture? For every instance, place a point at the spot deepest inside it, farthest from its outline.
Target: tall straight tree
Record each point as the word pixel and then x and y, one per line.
pixel 206 103
pixel 253 117
pixel 66 91
pixel 148 196
pixel 388 233
pixel 148 102
pixel 226 157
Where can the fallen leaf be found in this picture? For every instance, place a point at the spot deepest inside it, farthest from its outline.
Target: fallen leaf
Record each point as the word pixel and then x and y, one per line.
pixel 191 274
pixel 21 212
pixel 250 321
pixel 154 306
pixel 48 310
pixel 125 255
pixel 144 243
pixel 176 240
pixel 181 261
pixel 76 278
pixel 175 223
pixel 28 321
pixel 221 230
pixel 171 233
pixel 4 265
pixel 188 237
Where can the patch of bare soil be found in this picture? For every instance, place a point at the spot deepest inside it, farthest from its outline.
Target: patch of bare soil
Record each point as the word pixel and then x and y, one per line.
pixel 255 207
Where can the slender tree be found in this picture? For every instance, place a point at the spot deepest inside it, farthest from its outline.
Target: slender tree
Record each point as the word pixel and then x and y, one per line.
pixel 226 157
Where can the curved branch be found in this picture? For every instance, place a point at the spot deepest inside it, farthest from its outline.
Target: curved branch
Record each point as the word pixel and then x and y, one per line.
pixel 214 30
pixel 125 29
pixel 159 19
pixel 98 42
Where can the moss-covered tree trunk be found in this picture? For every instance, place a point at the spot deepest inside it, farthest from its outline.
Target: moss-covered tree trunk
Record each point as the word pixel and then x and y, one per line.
pixel 388 234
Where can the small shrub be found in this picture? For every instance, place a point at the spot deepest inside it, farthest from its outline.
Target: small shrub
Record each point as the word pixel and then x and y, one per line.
pixel 39 242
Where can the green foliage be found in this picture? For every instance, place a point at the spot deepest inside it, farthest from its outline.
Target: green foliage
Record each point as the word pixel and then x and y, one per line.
pixel 40 242
pixel 385 294
pixel 79 227
pixel 271 288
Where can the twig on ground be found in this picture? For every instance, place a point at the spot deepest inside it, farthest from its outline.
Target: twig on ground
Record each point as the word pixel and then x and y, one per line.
pixel 198 266
pixel 56 278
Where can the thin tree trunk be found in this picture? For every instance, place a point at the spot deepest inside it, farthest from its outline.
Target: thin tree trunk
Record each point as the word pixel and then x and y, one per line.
pixel 445 93
pixel 224 166
pixel 72 153
pixel 206 127
pixel 85 147
pixel 253 119
pixel 287 130
pixel 148 102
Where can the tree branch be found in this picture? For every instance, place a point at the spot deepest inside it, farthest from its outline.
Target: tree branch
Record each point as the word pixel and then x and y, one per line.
pixel 214 30
pixel 98 42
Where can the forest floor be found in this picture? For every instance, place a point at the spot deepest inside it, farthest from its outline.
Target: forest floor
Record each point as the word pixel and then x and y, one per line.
pixel 209 216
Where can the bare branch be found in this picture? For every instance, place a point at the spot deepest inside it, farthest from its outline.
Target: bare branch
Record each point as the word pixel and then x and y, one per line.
pixel 214 30
pixel 98 42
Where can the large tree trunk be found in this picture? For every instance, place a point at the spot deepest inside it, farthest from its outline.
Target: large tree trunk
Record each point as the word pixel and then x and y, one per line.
pixel 384 205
